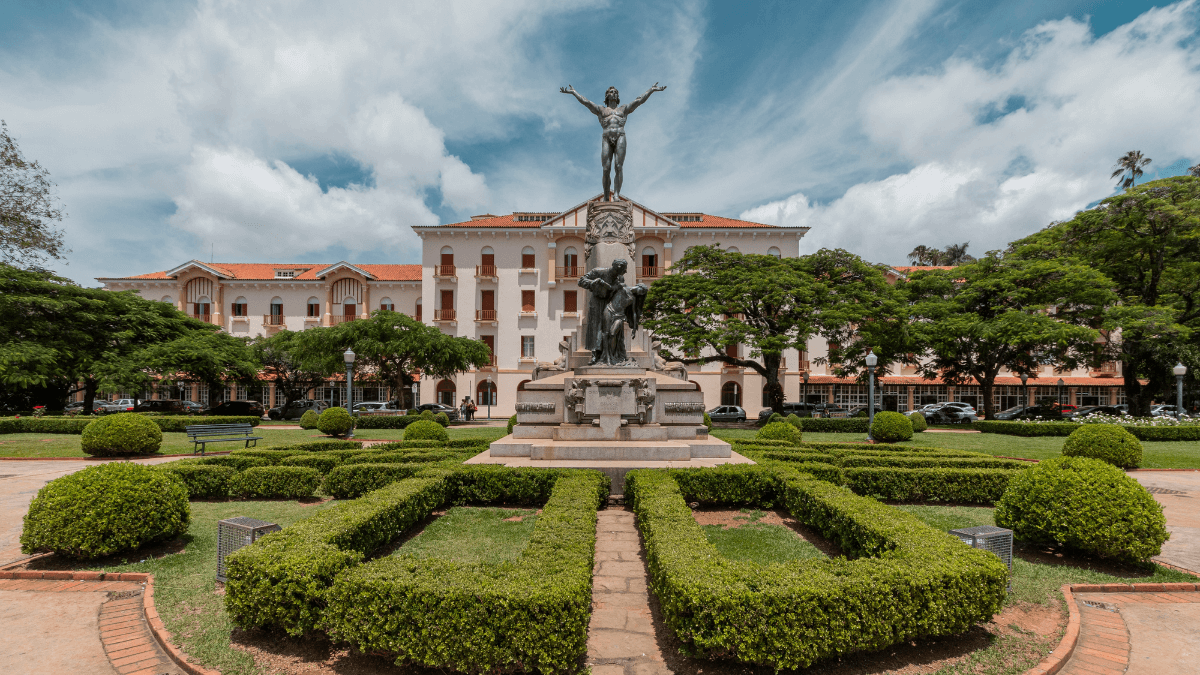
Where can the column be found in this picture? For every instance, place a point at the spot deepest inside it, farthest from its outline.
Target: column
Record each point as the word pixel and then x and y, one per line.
pixel 553 253
pixel 950 393
pixel 271 394
pixel 328 319
pixel 218 316
pixel 196 392
pixel 667 250
pixel 366 301
pixel 911 390
pixel 181 299
pixel 1072 392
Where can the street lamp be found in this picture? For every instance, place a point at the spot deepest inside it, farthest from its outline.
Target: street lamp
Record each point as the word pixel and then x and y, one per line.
pixel 1025 390
pixel 348 356
pixel 415 391
pixel 1180 370
pixel 1060 395
pixel 871 361
pixel 490 393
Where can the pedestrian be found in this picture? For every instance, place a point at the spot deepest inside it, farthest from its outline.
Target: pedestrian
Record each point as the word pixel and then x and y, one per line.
pixel 462 408
pixel 471 408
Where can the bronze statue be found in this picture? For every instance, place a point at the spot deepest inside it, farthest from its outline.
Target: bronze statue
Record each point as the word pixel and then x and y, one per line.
pixel 612 119
pixel 611 305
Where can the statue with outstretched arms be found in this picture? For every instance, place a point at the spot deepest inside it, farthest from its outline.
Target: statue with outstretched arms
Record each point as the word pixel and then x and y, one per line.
pixel 612 117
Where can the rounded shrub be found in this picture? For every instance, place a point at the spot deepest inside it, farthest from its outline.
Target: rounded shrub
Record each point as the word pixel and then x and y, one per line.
pixel 707 421
pixel 107 509
pixel 776 417
pixel 1086 505
pixel 121 434
pixel 442 419
pixel 335 422
pixel 426 414
pixel 779 431
pixel 794 420
pixel 891 427
pixel 1107 442
pixel 512 422
pixel 203 481
pixel 919 423
pixel 277 482
pixel 426 430
pixel 309 420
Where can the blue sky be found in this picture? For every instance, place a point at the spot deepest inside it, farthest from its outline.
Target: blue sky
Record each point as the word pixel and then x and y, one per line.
pixel 303 131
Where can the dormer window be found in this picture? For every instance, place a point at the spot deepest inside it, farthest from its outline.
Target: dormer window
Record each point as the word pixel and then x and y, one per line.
pixel 285 274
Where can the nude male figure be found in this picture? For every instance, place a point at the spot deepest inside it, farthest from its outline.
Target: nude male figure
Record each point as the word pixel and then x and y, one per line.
pixel 612 119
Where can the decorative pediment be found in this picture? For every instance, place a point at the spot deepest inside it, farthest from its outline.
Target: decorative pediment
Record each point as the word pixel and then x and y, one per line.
pixel 343 265
pixel 204 267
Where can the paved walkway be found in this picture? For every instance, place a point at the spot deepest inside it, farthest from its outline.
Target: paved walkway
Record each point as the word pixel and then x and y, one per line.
pixel 1137 634
pixel 1179 493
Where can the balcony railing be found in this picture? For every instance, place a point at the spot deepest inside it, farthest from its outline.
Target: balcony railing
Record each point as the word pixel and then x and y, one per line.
pixel 273 319
pixel 485 315
pixel 649 272
pixel 568 272
pixel 1108 369
pixel 339 318
pixel 444 315
pixel 485 271
pixel 445 272
pixel 206 318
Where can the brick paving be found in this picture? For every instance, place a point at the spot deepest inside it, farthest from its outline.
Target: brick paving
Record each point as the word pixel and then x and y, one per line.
pixel 1179 494
pixel 1139 633
pixel 621 639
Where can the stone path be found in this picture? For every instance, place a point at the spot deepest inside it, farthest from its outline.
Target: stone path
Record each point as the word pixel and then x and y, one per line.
pixel 1179 493
pixel 621 638
pixel 1142 633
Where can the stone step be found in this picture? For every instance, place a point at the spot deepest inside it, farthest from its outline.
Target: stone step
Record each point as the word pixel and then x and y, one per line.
pixel 654 451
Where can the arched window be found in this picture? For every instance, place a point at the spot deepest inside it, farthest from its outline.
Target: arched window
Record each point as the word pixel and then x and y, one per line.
pixel 446 267
pixel 239 307
pixel 446 393
pixel 386 304
pixel 485 394
pixel 276 317
pixel 168 299
pixel 528 258
pixel 202 308
pixel 570 262
pixel 417 312
pixel 732 249
pixel 487 262
pixel 522 383
pixel 731 394
pixel 775 252
pixel 314 308
pixel 649 262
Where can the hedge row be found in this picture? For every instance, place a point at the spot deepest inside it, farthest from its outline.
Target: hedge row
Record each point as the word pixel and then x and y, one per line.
pixel 834 425
pixel 530 614
pixel 350 481
pixel 903 581
pixel 75 425
pixel 1189 432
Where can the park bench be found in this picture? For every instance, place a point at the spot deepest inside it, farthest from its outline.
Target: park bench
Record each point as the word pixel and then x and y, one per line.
pixel 202 434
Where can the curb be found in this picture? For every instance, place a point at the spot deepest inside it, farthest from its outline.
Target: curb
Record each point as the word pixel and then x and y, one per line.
pixel 1061 654
pixel 105 459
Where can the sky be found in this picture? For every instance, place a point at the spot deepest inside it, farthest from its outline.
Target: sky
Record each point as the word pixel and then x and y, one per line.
pixel 302 131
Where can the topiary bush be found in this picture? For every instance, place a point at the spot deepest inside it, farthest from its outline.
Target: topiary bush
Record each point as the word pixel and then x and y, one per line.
pixel 1086 505
pixel 121 434
pixel 891 427
pixel 779 431
pixel 442 419
pixel 794 420
pixel 309 419
pixel 1106 442
pixel 776 417
pixel 335 422
pixel 320 461
pixel 707 421
pixel 203 481
pixel 919 423
pixel 276 482
pixel 104 510
pixel 512 422
pixel 426 414
pixel 426 430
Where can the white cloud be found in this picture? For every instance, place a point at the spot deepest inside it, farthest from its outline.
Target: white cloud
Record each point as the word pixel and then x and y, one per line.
pixel 1086 101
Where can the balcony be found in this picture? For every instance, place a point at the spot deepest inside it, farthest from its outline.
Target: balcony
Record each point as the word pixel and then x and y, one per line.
pixel 569 272
pixel 336 319
pixel 273 319
pixel 804 366
pixel 444 315
pixel 448 272
pixel 527 270
pixel 486 272
pixel 1106 370
pixel 649 272
pixel 206 318
pixel 572 314
pixel 485 315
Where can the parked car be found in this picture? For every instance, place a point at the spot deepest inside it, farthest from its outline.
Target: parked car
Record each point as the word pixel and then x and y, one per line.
pixel 861 411
pixel 436 408
pixel 165 405
pixel 237 409
pixel 297 409
pixel 1166 411
pixel 1084 411
pixel 1030 412
pixel 962 405
pixel 727 413
pixel 377 406
pixel 191 407
pixel 118 406
pixel 950 414
pixel 829 410
pixel 77 407
pixel 789 408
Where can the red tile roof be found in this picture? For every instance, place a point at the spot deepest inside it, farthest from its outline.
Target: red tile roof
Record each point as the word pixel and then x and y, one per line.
pixel 511 221
pixel 263 272
pixel 917 268
pixel 717 221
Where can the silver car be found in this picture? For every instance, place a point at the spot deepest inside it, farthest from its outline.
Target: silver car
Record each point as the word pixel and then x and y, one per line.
pixel 727 413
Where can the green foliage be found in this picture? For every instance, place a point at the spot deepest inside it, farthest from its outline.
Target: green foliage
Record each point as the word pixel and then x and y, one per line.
pixel 203 481
pixel 385 421
pixel 276 482
pixel 707 421
pixel 1147 433
pixel 426 430
pixel 776 417
pixel 782 615
pixel 121 434
pixel 104 510
pixel 427 415
pixel 353 479
pixel 309 419
pixel 794 420
pixel 323 463
pixel 409 457
pixel 891 427
pixel 467 534
pixel 237 462
pixel 919 422
pixel 482 617
pixel 512 422
pixel 834 425
pixel 335 421
pixel 295 361
pixel 1106 442
pixel 271 455
pixel 442 419
pixel 779 431
pixel 1087 505
pixel 45 425
pixel 493 484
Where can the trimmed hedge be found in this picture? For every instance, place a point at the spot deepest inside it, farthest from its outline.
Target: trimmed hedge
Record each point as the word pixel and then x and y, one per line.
pixel 76 425
pixel 933 484
pixel 903 581
pixel 529 614
pixel 794 420
pixel 1190 432
pixel 238 463
pixel 121 434
pixel 104 510
pixel 335 421
pixel 386 421
pixel 309 419
pixel 1087 505
pixel 1106 442
pixel 276 482
pixel 891 427
pixel 834 425
pixel 442 419
pixel 426 430
pixel 272 456
pixel 202 481
pixel 412 457
pixel 779 431
pixel 323 463
pixel 919 423
pixel 353 480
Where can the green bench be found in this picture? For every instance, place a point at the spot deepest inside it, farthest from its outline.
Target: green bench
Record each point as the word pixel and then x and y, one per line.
pixel 202 434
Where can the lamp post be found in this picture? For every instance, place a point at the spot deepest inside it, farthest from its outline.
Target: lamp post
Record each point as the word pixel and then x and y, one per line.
pixel 348 357
pixel 1180 370
pixel 1025 391
pixel 1060 395
pixel 490 394
pixel 805 376
pixel 871 361
pixel 415 391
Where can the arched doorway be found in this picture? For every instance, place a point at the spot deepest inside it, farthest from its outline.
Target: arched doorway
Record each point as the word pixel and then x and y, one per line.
pixel 485 394
pixel 521 385
pixel 731 394
pixel 446 392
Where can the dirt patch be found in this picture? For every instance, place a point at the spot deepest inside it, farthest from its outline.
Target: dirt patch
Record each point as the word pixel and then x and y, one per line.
pixel 154 552
pixel 1049 555
pixel 313 501
pixel 314 655
pixel 519 517
pixel 731 518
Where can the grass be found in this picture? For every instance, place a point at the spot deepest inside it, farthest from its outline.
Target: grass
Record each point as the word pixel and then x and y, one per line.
pixel 762 543
pixel 1155 455
pixel 68 445
pixel 469 534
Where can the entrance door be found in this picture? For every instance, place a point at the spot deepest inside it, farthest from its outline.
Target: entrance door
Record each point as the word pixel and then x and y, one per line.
pixel 490 341
pixel 487 305
pixel 447 309
pixel 350 311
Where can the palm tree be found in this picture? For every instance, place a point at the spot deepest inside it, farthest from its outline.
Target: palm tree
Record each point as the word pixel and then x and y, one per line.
pixel 1132 161
pixel 919 255
pixel 956 254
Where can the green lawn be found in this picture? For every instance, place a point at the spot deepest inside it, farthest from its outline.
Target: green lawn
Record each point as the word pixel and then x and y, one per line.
pixel 762 543
pixel 1155 455
pixel 471 534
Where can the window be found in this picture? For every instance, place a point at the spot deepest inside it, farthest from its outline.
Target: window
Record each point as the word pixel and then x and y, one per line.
pixel 570 301
pixel 314 308
pixel 485 393
pixel 487 305
pixel 570 257
pixel 239 307
pixel 490 341
pixel 417 313
pixel 527 301
pixel 528 259
pixel 732 249
pixel 527 347
pixel 446 393
pixel 202 309
pixel 731 394
pixel 285 274
pixel 387 305
pixel 488 256
pixel 447 299
pixel 276 316
pixel 775 252
pixel 447 256
pixel 167 299
pixel 732 352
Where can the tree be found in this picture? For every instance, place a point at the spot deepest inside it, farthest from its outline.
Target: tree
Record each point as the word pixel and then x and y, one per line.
pixel 1147 241
pixel 955 254
pixel 1131 162
pixel 294 367
pixel 1194 170
pixel 28 209
pixel 1003 313
pixel 715 299
pixel 202 354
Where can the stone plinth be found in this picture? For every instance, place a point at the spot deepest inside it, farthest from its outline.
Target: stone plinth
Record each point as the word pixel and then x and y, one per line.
pixel 615 469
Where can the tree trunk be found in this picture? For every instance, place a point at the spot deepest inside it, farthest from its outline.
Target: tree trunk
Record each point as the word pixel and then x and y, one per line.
pixel 89 396
pixel 986 385
pixel 774 390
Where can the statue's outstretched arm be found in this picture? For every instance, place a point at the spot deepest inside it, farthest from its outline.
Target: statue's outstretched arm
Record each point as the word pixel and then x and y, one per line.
pixel 642 99
pixel 579 97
